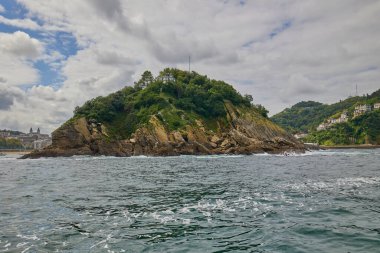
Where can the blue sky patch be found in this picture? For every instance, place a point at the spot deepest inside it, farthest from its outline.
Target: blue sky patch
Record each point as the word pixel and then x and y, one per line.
pixel 62 42
pixel 13 9
pixel 49 76
pixel 65 43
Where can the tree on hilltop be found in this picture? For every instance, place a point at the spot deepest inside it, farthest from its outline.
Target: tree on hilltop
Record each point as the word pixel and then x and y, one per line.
pixel 145 80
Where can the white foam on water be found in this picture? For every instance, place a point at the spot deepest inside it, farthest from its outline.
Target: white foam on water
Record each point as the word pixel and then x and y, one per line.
pixel 8 158
pixel 136 215
pixel 87 158
pixel 21 244
pixel 163 219
pixel 262 154
pixel 320 153
pixel 184 210
pixel 358 180
pixel 139 157
pixel 347 152
pixel 306 153
pixel 350 182
pixel 29 237
pixel 207 208
pixel 217 156
pixel 286 154
pixel 26 250
pixel 127 215
pixel 168 212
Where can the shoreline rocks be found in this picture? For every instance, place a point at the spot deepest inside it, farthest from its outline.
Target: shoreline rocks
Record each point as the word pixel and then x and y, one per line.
pixel 245 134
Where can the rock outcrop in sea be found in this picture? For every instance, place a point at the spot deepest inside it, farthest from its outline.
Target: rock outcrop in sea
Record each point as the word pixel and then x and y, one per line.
pixel 176 113
pixel 245 134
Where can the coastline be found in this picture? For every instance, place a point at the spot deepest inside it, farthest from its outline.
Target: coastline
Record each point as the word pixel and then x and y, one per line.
pixel 363 146
pixel 14 151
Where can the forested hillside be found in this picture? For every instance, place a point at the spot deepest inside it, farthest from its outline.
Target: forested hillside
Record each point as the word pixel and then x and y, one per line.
pixel 306 116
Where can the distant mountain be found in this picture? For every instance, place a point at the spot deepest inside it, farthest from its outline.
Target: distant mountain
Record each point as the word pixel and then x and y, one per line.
pixel 363 129
pixel 307 116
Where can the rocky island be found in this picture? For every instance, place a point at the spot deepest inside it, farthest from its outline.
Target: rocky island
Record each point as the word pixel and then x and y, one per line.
pixel 176 113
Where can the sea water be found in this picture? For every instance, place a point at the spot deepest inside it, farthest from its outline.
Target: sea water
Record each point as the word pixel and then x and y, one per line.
pixel 325 201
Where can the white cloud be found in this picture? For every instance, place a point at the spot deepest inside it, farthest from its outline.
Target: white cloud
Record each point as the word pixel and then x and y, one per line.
pixel 17 50
pixel 92 73
pixel 114 58
pixel 20 44
pixel 39 106
pixel 2 9
pixel 14 71
pixel 280 52
pixel 21 23
pixel 7 96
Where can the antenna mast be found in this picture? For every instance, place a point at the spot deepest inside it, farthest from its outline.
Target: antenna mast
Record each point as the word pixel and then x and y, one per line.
pixel 189 63
pixel 356 89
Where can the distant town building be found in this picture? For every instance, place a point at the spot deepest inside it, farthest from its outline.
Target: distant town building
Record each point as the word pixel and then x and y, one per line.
pixel 322 126
pixel 362 109
pixel 300 135
pixel 27 140
pixel 332 121
pixel 5 134
pixel 40 144
pixel 343 117
pixel 376 106
pixel 9 133
pixel 31 140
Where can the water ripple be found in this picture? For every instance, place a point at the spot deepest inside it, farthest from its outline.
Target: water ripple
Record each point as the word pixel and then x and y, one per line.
pixel 315 202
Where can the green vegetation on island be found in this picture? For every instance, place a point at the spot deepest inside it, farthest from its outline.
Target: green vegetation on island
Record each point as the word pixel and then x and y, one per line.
pixel 359 127
pixel 175 113
pixel 175 97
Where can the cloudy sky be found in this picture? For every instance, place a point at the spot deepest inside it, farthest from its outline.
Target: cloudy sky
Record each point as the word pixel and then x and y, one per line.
pixel 55 55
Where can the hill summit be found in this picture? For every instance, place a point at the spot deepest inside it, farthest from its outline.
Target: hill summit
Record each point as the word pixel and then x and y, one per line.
pixel 177 112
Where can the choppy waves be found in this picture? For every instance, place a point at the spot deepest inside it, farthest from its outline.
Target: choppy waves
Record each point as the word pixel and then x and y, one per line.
pixel 262 203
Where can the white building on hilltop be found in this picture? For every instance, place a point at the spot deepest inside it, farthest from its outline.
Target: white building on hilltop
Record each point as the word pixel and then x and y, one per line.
pixel 376 106
pixel 343 117
pixel 332 121
pixel 361 109
pixel 323 126
pixel 300 135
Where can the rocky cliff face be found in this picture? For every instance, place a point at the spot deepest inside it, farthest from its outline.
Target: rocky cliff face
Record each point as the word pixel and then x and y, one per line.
pixel 245 133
